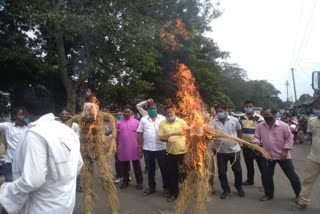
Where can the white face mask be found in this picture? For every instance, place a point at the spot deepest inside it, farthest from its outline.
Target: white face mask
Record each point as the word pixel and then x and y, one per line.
pixel 170 118
pixel 221 115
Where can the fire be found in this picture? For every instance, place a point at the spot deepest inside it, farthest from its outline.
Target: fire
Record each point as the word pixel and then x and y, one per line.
pixel 190 109
pixel 171 30
pixel 90 114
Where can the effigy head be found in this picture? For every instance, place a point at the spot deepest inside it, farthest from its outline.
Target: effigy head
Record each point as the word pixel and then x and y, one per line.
pixel 90 112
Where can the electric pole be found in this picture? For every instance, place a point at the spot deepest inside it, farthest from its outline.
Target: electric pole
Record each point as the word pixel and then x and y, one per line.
pixel 287 85
pixel 294 85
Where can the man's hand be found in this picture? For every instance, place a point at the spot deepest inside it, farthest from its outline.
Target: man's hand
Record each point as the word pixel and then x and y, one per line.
pixel 140 152
pixel 150 100
pixel 284 155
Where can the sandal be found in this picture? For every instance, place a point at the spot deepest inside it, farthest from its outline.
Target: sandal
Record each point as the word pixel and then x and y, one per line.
pixel 149 191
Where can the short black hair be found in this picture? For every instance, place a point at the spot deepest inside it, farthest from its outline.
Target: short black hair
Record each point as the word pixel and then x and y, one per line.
pixel 221 105
pixel 16 109
pixel 127 106
pixel 169 106
pixel 273 110
pixel 38 100
pixel 65 109
pixel 316 101
pixel 248 102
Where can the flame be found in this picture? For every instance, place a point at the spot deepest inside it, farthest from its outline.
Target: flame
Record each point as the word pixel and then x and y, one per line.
pixel 190 109
pixel 171 30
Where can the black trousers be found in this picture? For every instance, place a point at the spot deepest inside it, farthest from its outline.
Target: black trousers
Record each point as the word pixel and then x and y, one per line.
pixel 222 161
pixel 288 169
pixel 151 157
pixel 249 157
pixel 173 162
pixel 125 167
pixel 117 166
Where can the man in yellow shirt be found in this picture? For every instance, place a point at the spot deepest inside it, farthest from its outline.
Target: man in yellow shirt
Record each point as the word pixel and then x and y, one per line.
pixel 249 122
pixel 171 130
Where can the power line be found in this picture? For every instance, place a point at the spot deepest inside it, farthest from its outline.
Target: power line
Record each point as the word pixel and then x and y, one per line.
pixel 307 32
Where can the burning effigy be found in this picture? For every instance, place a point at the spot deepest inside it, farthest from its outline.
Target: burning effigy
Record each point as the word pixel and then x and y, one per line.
pixel 95 148
pixel 197 159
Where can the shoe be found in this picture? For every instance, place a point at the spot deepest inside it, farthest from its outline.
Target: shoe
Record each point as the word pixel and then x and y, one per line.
pixel 123 186
pixel 246 183
pixel 149 191
pixel 171 198
pixel 266 198
pixel 297 206
pixel 117 180
pixel 241 193
pixel 130 179
pixel 139 187
pixel 225 195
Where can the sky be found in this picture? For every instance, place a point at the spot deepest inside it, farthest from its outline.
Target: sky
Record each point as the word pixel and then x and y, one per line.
pixel 269 37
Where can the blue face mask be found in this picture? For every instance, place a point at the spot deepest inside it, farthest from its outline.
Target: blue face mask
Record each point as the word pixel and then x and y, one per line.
pixel 316 112
pixel 26 120
pixel 248 110
pixel 221 115
pixel 170 118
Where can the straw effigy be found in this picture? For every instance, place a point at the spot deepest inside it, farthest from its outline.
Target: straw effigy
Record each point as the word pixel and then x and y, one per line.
pixel 95 147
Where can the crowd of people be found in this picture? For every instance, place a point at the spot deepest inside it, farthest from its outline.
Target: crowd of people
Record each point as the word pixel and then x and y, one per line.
pixel 43 158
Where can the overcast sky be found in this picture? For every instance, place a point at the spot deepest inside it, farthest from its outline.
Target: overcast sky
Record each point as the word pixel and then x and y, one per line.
pixel 268 37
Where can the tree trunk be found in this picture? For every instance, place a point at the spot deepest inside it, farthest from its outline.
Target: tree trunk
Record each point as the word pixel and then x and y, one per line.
pixel 71 99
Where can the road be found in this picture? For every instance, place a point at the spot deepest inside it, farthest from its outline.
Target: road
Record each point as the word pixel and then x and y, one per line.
pixel 132 201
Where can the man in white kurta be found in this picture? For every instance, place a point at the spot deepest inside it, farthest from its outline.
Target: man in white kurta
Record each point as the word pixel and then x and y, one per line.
pixel 45 166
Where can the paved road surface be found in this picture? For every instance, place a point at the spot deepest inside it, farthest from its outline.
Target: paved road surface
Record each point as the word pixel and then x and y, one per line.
pixel 133 201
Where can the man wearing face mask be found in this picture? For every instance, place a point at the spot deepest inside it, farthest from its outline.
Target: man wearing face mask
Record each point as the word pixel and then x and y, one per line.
pixel 249 122
pixel 152 148
pixel 171 130
pixel 227 150
pixel 312 170
pixel 142 109
pixel 276 138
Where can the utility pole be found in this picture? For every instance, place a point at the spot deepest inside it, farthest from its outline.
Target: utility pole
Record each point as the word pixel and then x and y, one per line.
pixel 294 85
pixel 287 85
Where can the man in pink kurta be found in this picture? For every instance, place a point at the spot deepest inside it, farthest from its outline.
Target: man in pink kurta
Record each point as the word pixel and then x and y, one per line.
pixel 276 138
pixel 128 148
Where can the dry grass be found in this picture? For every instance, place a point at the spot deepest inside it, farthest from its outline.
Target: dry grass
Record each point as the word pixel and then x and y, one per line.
pixel 219 134
pixel 95 147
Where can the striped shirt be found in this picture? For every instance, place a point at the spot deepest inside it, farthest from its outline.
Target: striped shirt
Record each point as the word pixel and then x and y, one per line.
pixel 249 125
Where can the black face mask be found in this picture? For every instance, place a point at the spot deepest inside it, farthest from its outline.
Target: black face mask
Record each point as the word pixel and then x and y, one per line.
pixel 268 119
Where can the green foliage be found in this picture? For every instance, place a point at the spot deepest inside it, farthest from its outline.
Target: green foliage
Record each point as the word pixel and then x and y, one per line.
pixel 116 45
pixel 304 98
pixel 263 93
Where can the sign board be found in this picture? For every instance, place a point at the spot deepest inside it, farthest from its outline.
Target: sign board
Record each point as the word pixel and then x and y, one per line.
pixel 316 80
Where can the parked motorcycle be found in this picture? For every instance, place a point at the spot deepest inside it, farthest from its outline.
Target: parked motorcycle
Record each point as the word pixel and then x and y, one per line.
pixel 294 126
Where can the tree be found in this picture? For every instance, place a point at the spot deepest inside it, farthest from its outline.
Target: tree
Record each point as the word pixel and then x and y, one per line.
pixel 304 98
pixel 82 38
pixel 18 64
